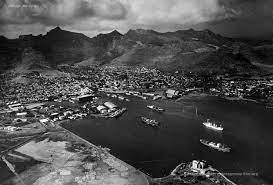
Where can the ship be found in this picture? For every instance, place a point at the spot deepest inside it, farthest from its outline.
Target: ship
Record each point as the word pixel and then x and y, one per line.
pixel 214 126
pixel 117 113
pixel 114 114
pixel 155 108
pixel 151 122
pixel 217 146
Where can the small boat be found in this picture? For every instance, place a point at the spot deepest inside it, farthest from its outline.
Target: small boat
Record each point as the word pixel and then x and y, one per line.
pixel 155 108
pixel 151 122
pixel 214 126
pixel 217 146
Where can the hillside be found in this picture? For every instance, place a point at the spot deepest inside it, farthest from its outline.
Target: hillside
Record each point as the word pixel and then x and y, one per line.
pixel 185 50
pixel 188 50
pixel 265 53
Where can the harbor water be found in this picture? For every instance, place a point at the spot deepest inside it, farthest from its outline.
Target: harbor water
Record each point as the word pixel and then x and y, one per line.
pixel 157 151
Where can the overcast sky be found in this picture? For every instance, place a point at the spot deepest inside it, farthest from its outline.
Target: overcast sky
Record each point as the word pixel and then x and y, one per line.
pixel 235 18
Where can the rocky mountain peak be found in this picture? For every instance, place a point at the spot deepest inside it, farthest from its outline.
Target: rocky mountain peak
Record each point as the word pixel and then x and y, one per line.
pixel 56 29
pixel 140 32
pixel 115 33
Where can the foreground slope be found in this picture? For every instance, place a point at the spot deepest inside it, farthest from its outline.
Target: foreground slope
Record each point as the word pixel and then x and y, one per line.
pixel 62 158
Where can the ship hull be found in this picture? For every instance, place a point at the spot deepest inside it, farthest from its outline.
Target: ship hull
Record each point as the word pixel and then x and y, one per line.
pixel 155 124
pixel 156 109
pixel 214 128
pixel 214 147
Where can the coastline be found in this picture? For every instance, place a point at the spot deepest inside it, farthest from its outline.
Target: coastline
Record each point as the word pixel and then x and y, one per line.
pixel 201 95
pixel 201 116
pixel 54 150
pixel 191 96
pixel 172 174
pixel 98 148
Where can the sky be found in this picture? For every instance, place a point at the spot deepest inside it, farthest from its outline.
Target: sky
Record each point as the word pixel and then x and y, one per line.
pixel 233 18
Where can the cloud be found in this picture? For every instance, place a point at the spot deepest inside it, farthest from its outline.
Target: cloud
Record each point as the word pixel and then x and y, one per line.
pixel 95 16
pixel 159 14
pixel 59 12
pixel 248 8
pixel 175 11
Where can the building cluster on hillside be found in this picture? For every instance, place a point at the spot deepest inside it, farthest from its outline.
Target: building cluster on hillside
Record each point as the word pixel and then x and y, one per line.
pixel 42 89
pixel 83 83
pixel 261 90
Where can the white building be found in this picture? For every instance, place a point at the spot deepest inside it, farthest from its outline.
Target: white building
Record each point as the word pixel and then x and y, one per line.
pixel 10 128
pixel 44 120
pixel 199 166
pixel 20 120
pixel 21 113
pixel 66 113
pixel 170 93
pixel 110 105
pixel 16 107
pixel 102 109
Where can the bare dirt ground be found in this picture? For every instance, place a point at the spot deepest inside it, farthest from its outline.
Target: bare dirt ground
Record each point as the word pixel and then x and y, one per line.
pixel 65 160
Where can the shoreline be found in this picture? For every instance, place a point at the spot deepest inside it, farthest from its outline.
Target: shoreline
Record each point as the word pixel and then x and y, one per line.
pixel 59 128
pixel 118 168
pixel 172 174
pixel 98 148
pixel 201 95
pixel 148 177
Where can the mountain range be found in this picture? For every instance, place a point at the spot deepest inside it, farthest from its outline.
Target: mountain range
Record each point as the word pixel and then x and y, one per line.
pixel 183 50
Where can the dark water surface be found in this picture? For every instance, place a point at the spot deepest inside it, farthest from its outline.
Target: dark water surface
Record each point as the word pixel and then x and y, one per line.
pixel 248 130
